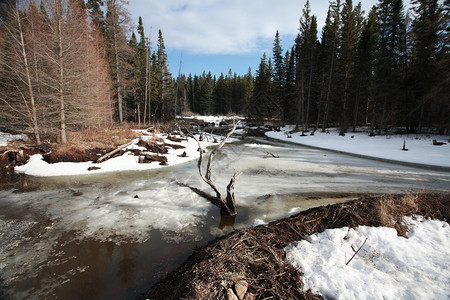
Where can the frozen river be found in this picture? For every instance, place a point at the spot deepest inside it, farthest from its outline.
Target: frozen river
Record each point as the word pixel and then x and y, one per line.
pixel 113 235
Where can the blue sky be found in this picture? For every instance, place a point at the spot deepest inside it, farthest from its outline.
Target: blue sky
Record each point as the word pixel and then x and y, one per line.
pixel 218 35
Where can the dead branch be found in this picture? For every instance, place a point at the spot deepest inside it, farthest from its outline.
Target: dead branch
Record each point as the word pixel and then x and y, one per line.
pixel 113 152
pixel 228 206
pixel 267 154
pixel 356 252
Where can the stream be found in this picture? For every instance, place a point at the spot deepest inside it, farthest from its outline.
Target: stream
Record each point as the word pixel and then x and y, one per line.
pixel 114 235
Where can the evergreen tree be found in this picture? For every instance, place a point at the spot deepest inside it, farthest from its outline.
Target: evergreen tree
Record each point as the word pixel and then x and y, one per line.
pixel 389 61
pixel 364 64
pixel 222 94
pixel 206 94
pixel 349 35
pixel 330 44
pixel 95 12
pixel 426 28
pixel 262 106
pixel 279 71
pixel 164 81
pixel 290 88
pixel 118 51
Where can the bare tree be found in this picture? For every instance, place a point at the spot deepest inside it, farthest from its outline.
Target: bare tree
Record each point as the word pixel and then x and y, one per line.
pixel 76 78
pixel 18 97
pixel 227 205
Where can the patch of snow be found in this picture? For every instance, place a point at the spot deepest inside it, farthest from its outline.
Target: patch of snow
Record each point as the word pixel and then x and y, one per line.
pixel 386 267
pixel 5 138
pixel 216 120
pixel 257 222
pixel 36 166
pixel 420 147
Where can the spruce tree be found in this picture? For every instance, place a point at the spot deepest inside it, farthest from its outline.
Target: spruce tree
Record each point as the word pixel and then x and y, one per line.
pixel 364 65
pixel 426 28
pixel 389 54
pixel 279 70
pixel 349 35
pixel 118 51
pixel 164 80
pixel 330 44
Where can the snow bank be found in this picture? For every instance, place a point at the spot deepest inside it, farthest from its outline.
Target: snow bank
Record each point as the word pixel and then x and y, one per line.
pixel 420 147
pixel 5 138
pixel 386 267
pixel 36 166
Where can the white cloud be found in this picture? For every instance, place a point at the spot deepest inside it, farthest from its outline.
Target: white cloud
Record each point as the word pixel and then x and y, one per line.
pixel 224 26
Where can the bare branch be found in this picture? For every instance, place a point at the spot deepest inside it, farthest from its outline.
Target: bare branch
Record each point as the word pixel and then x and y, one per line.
pixel 356 252
pixel 228 205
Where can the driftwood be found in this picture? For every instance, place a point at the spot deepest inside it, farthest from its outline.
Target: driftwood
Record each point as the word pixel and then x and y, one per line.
pixel 267 154
pixel 436 143
pixel 227 205
pixel 113 152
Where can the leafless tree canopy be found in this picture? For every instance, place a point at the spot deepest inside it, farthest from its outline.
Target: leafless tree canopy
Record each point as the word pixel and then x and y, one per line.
pixel 53 70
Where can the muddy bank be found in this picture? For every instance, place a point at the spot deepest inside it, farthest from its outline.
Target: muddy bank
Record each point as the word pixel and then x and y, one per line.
pixel 251 261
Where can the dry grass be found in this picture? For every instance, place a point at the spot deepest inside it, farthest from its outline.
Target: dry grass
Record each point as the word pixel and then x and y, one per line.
pixel 391 211
pixel 90 138
pixel 256 254
pixel 86 144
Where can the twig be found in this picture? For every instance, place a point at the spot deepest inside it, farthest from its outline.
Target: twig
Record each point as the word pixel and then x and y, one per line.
pixel 355 252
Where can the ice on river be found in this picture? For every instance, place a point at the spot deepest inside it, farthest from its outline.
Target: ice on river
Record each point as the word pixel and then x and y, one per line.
pixel 119 215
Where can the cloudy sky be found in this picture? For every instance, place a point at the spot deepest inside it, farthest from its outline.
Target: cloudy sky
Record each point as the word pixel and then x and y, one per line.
pixel 216 35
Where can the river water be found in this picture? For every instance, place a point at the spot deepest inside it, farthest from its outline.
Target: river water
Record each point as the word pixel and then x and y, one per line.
pixel 114 235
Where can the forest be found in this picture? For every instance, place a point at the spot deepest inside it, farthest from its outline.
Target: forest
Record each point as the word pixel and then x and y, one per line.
pixel 71 64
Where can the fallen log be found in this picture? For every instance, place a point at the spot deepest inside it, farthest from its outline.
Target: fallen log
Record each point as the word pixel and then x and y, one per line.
pixel 113 152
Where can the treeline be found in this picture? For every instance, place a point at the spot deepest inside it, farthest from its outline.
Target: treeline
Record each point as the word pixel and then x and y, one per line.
pixel 69 64
pixel 389 68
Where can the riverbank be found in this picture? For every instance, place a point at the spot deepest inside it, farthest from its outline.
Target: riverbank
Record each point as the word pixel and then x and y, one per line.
pixel 416 150
pixel 255 257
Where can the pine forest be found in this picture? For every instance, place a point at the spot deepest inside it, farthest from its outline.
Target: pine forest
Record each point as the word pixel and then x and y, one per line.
pixel 71 64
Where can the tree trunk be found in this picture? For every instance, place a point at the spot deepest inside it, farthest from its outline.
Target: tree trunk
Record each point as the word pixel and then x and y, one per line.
pixel 119 90
pixel 344 104
pixel 308 99
pixel 327 99
pixel 62 105
pixel 383 114
pixel 372 123
pixel 28 76
pixel 356 106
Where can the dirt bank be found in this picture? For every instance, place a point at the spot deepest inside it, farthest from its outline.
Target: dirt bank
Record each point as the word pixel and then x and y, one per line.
pixel 254 257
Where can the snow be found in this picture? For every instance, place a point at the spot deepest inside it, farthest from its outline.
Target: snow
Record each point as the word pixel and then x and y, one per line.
pixel 5 138
pixel 386 267
pixel 387 147
pixel 36 166
pixel 212 119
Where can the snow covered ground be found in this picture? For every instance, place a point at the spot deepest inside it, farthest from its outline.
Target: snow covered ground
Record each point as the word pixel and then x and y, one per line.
pixel 36 166
pixel 388 147
pixel 5 138
pixel 386 267
pixel 212 119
